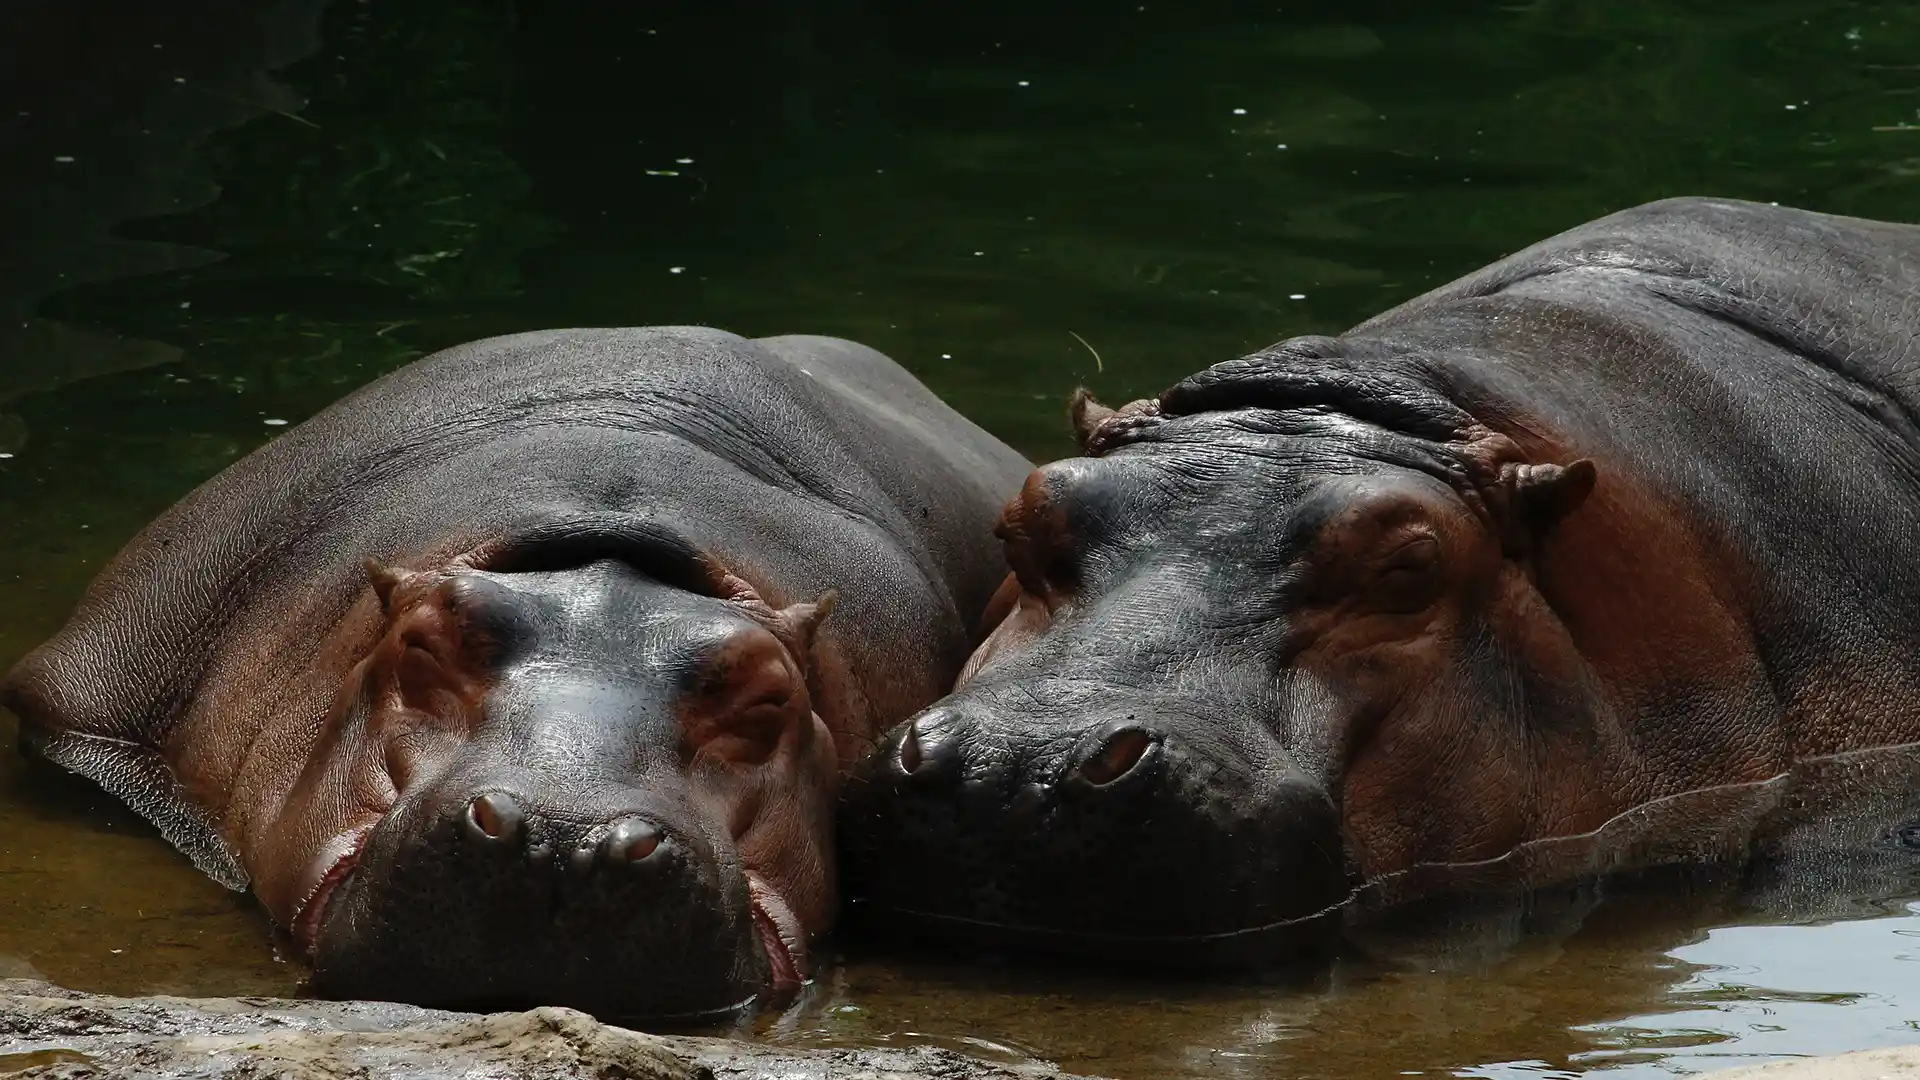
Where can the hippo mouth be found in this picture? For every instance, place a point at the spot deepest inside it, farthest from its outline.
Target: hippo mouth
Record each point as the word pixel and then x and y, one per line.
pixel 331 869
pixel 780 935
pixel 779 931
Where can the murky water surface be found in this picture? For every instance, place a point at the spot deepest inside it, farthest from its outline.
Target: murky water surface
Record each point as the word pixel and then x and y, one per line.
pixel 218 216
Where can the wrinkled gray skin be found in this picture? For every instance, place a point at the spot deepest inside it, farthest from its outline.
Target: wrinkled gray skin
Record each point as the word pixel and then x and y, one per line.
pixel 1630 513
pixel 508 677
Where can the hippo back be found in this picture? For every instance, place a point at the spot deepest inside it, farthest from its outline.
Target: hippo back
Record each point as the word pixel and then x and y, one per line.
pixel 1837 292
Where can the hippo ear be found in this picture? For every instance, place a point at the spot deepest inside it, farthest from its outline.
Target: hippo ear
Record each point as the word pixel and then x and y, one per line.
pixel 1543 494
pixel 795 623
pixel 387 580
pixel 1088 414
pixel 801 621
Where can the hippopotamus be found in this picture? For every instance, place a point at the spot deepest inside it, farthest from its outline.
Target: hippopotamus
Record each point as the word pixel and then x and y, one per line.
pixel 1632 513
pixel 527 673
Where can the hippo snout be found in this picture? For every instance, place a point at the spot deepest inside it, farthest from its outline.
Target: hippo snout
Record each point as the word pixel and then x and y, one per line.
pixel 930 752
pixel 1087 839
pixel 612 904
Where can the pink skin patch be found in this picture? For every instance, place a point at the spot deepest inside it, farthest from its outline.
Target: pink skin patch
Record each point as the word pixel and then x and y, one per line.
pixel 781 935
pixel 332 866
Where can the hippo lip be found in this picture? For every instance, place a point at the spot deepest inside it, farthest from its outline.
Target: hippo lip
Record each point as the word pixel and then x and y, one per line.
pixel 780 934
pixel 335 864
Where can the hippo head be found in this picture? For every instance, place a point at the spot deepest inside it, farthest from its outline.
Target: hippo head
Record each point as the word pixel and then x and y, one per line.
pixel 1277 632
pixel 576 771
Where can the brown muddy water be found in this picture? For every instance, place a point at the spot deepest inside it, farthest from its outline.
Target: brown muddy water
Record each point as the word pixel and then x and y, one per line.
pixel 216 217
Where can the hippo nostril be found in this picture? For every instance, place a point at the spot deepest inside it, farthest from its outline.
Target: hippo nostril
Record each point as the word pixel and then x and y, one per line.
pixel 1123 750
pixel 910 756
pixel 632 841
pixel 494 818
pixel 929 751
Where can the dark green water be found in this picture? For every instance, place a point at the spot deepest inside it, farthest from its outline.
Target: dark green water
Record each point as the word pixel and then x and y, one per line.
pixel 219 216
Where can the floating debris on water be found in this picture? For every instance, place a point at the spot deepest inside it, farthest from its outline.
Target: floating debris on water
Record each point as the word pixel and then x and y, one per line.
pixel 1098 364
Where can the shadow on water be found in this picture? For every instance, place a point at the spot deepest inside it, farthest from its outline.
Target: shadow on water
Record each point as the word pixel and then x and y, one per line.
pixel 218 217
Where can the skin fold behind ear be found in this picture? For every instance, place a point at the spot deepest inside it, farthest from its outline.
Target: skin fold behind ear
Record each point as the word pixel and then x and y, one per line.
pixel 1091 419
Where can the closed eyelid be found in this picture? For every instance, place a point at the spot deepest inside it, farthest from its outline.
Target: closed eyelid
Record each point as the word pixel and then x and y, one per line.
pixel 1421 543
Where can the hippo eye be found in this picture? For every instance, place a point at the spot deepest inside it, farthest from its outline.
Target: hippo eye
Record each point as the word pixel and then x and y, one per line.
pixel 750 696
pixel 1404 581
pixel 762 720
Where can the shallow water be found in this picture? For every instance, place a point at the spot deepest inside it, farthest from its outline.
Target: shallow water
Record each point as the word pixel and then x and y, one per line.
pixel 220 216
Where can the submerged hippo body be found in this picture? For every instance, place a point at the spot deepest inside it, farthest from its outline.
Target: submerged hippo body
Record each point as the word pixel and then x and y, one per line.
pixel 1629 514
pixel 510 677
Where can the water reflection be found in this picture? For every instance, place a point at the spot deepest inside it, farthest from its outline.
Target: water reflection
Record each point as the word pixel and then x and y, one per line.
pixel 1468 970
pixel 1771 991
pixel 90 897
